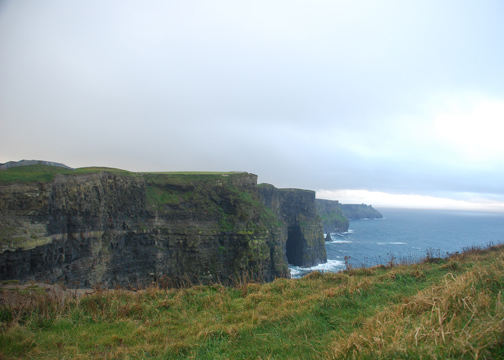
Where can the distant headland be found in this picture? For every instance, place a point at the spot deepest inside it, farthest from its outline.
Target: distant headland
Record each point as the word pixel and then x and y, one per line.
pixel 12 164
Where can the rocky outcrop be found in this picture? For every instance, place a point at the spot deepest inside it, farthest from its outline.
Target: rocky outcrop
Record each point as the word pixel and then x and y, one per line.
pixel 360 211
pixel 331 214
pixel 305 244
pixel 119 228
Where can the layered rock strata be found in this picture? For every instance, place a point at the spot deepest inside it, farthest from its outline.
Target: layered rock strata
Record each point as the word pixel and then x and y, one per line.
pixel 305 244
pixel 332 216
pixel 119 228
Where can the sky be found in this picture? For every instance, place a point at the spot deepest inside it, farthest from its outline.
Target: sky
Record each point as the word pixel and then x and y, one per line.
pixel 389 103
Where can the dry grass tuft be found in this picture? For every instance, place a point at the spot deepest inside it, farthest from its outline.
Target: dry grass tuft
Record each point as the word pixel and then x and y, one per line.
pixel 463 317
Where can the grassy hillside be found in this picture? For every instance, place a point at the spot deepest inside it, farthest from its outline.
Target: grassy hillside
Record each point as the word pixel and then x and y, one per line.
pixel 440 308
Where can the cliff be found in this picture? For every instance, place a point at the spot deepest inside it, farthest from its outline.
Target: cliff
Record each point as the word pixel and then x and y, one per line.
pixel 89 226
pixel 332 216
pixel 305 244
pixel 360 211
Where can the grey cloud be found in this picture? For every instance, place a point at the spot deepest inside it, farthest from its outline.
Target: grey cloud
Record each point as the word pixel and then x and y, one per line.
pixel 305 94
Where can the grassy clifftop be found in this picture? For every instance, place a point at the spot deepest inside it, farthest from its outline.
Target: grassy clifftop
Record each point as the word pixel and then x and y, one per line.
pixel 440 308
pixel 46 173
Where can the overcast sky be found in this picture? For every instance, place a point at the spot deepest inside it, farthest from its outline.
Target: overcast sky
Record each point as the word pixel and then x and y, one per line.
pixel 394 103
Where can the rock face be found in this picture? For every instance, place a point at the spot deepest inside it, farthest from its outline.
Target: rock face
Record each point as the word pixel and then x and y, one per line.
pixel 305 244
pixel 360 211
pixel 119 228
pixel 331 214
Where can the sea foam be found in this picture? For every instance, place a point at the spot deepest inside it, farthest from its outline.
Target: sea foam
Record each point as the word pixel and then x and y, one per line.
pixel 329 266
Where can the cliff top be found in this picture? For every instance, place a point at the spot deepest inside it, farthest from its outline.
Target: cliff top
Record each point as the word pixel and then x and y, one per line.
pixel 266 185
pixel 46 173
pixel 43 172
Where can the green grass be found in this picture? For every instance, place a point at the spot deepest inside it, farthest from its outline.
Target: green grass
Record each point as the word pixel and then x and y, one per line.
pixel 46 173
pixel 207 190
pixel 447 309
pixel 219 173
pixel 95 169
pixel 330 218
pixel 32 173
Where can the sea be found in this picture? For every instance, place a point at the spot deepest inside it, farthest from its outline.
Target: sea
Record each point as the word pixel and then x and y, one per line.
pixel 407 236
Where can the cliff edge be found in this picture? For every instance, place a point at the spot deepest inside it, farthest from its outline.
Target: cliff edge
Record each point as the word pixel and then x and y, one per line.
pixel 360 211
pixel 105 226
pixel 332 216
pixel 114 227
pixel 305 245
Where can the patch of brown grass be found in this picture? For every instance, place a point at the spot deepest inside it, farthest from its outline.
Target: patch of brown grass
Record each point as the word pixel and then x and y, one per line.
pixel 462 318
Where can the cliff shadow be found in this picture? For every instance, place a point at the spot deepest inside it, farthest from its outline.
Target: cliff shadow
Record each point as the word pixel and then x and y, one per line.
pixel 294 246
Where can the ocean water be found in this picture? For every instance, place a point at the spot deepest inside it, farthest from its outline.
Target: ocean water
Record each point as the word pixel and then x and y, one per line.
pixel 407 235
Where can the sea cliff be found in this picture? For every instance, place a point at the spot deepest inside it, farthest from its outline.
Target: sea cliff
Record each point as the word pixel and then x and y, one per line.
pixel 332 216
pixel 104 226
pixel 296 207
pixel 360 211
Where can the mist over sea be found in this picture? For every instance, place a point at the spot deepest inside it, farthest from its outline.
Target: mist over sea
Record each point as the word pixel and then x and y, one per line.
pixel 407 234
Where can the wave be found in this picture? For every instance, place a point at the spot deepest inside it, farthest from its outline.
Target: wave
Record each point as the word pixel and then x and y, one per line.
pixel 340 241
pixel 392 243
pixel 340 234
pixel 295 273
pixel 329 266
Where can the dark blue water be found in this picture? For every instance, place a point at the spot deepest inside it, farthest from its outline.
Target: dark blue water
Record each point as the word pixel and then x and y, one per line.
pixel 407 235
